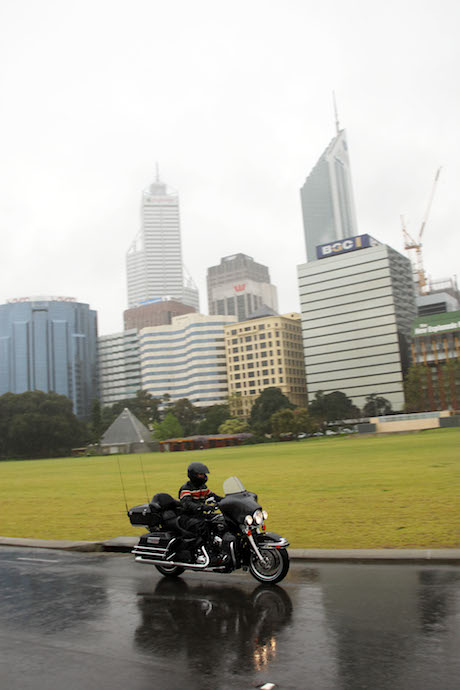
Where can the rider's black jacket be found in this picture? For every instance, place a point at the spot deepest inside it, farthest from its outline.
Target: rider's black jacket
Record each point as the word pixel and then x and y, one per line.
pixel 193 499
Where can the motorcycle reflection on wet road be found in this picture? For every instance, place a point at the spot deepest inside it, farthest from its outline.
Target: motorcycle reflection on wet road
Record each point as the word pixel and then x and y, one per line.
pixel 180 617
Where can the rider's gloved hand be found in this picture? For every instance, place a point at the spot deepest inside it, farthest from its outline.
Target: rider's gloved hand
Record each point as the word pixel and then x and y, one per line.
pixel 208 507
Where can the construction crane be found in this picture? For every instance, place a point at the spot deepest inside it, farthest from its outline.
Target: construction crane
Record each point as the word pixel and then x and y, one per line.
pixel 410 243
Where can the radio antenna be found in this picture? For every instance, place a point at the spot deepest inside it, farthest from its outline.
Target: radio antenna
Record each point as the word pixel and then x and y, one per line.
pixel 337 123
pixel 143 474
pixel 122 485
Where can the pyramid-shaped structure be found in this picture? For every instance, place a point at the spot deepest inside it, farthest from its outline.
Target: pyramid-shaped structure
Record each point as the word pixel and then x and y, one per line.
pixel 127 435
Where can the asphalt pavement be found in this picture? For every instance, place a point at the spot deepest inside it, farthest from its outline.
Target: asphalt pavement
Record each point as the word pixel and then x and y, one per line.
pixel 125 544
pixel 85 621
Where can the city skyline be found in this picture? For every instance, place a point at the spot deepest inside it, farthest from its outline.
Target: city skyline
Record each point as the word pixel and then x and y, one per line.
pixel 235 125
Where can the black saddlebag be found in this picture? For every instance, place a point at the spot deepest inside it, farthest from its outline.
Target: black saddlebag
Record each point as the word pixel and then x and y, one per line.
pixel 145 514
pixel 159 540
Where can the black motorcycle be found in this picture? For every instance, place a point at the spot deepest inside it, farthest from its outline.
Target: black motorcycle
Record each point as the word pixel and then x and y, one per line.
pixel 232 538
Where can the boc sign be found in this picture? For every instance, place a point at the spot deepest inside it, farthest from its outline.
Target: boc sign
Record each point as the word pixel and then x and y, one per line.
pixel 350 244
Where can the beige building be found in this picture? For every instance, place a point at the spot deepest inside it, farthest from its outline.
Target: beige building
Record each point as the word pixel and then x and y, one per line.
pixel 262 353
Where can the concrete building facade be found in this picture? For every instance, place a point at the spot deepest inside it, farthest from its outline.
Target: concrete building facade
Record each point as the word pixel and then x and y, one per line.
pixel 119 366
pixel 186 359
pixel 50 344
pixel 328 207
pixel 154 260
pixel 238 286
pixel 357 308
pixel 262 353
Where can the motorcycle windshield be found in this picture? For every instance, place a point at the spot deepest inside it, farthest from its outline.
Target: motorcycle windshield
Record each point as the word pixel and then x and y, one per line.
pixel 233 485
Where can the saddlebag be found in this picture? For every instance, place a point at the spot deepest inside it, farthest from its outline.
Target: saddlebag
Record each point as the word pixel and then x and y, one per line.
pixel 145 515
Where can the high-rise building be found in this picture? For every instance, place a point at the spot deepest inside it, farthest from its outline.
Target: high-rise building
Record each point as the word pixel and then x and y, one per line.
pixel 436 361
pixel 49 344
pixel 262 353
pixel 154 260
pixel 119 366
pixel 357 305
pixel 186 359
pixel 238 286
pixel 327 198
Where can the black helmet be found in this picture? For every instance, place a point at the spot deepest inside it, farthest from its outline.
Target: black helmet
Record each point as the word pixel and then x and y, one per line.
pixel 193 470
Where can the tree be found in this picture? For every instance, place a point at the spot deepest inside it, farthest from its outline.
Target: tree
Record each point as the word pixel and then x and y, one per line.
pixel 376 405
pixel 282 422
pixel 332 407
pixel 233 426
pixel 304 423
pixel 170 427
pixel 269 401
pixel 37 424
pixel 96 426
pixel 214 417
pixel 186 414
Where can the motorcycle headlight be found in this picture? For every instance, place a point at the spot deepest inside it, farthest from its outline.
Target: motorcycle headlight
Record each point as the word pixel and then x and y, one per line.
pixel 258 517
pixel 248 519
pixel 265 514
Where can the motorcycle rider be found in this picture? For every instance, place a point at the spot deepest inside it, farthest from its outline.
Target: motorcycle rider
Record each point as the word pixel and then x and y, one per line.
pixel 193 495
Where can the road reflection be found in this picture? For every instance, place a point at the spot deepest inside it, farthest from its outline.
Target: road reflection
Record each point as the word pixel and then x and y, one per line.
pixel 209 623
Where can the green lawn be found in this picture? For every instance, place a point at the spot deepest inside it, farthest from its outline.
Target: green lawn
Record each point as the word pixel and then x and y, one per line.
pixel 397 491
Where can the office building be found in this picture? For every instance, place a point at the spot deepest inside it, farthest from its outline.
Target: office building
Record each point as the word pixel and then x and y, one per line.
pixel 442 296
pixel 154 260
pixel 436 358
pixel 357 304
pixel 262 353
pixel 238 286
pixel 186 359
pixel 328 207
pixel 158 312
pixel 119 366
pixel 50 344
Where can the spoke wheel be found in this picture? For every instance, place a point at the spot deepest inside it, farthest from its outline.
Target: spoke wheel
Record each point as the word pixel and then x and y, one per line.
pixel 170 570
pixel 274 566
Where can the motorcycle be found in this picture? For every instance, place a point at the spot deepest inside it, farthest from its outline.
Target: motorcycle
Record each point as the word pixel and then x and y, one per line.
pixel 233 538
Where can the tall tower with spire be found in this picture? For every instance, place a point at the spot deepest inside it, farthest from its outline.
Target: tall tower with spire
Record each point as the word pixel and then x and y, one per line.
pixel 328 207
pixel 154 260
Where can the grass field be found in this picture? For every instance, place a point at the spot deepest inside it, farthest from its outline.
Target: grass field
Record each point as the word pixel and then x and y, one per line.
pixel 398 491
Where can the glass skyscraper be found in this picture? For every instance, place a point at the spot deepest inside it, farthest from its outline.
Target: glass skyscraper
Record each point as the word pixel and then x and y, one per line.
pixel 327 198
pixel 154 260
pixel 49 344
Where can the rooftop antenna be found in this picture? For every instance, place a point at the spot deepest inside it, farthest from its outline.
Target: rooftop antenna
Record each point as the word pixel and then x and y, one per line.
pixel 337 124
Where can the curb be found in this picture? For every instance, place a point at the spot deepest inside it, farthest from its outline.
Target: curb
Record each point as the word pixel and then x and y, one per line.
pixel 125 544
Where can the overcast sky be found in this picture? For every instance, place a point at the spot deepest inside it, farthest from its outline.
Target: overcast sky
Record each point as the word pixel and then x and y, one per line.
pixel 233 99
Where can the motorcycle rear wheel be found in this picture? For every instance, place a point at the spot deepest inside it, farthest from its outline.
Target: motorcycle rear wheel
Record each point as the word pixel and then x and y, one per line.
pixel 170 570
pixel 274 567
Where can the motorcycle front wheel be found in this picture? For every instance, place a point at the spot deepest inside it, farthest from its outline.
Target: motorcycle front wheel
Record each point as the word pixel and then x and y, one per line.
pixel 274 566
pixel 170 570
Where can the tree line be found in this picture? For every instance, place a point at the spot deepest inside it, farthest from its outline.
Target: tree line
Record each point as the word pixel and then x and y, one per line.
pixel 36 424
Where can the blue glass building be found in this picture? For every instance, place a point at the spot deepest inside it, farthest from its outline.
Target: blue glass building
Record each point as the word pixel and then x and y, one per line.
pixel 50 344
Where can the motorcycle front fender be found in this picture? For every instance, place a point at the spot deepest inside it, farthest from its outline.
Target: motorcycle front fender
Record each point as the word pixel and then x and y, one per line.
pixel 271 540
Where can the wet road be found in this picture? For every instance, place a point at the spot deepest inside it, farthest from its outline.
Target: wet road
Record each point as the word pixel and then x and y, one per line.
pixel 70 620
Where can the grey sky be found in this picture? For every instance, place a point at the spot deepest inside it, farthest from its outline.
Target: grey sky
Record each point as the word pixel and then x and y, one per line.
pixel 234 102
